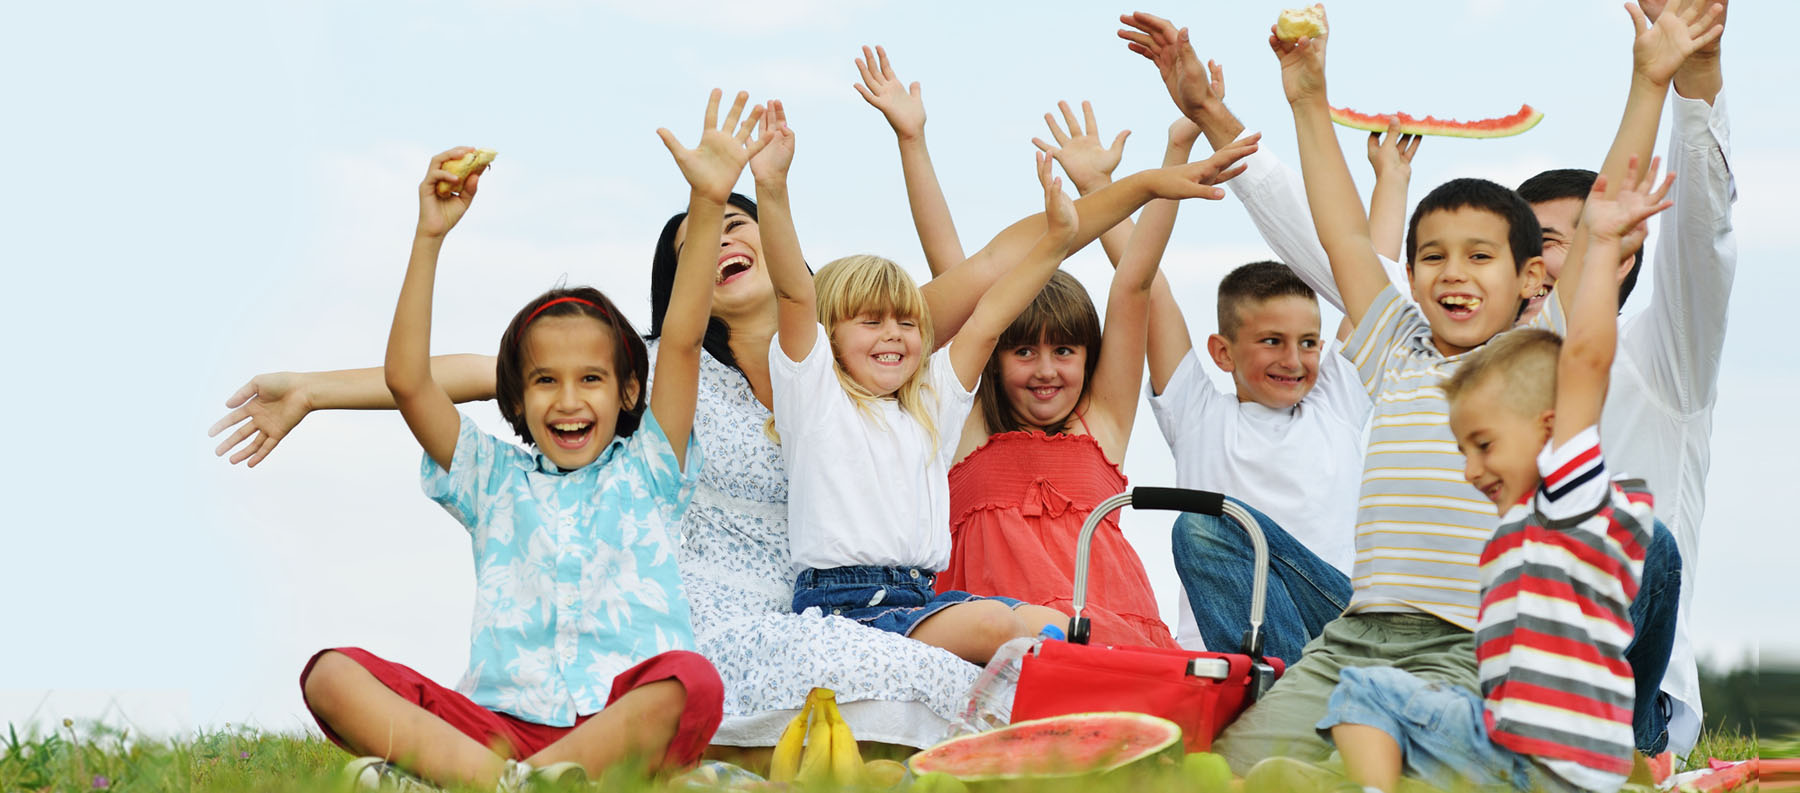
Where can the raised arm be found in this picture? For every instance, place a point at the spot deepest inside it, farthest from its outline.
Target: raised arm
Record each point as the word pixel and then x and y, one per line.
pixel 424 403
pixel 1391 156
pixel 1657 52
pixel 1089 164
pixel 904 108
pixel 795 299
pixel 1337 210
pixel 711 168
pixel 1134 320
pixel 1593 325
pixel 1003 302
pixel 272 404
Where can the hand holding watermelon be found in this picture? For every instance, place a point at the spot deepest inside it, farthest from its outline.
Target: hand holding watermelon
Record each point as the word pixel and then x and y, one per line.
pixel 1088 162
pixel 1391 154
pixel 1684 26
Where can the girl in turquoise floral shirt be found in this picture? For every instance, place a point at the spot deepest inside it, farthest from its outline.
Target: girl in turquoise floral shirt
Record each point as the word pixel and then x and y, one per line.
pixel 581 645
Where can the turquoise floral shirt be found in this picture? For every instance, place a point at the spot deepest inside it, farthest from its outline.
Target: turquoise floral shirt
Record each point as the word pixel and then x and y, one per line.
pixel 575 576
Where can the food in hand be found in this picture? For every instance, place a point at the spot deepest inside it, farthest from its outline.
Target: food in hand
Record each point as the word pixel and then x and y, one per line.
pixel 1295 23
pixel 473 162
pixel 1504 126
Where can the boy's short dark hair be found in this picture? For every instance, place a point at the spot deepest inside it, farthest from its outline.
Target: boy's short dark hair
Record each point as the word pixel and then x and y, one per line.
pixel 630 356
pixel 1523 234
pixel 1576 183
pixel 1254 283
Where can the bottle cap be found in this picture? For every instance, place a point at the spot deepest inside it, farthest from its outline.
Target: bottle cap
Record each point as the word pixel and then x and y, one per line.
pixel 1050 631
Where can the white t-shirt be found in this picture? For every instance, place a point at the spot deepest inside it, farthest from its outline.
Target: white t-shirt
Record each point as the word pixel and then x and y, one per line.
pixel 1302 467
pixel 865 486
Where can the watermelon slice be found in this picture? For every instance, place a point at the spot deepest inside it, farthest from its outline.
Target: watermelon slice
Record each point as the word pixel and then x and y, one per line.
pixel 1059 746
pixel 1501 127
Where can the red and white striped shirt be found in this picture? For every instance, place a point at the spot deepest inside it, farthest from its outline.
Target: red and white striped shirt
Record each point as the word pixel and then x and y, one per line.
pixel 1557 581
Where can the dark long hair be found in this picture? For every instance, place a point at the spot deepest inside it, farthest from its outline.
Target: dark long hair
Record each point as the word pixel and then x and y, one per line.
pixel 1060 314
pixel 629 358
pixel 662 284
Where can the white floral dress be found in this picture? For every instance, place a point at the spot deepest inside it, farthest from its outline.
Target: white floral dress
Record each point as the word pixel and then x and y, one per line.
pixel 735 566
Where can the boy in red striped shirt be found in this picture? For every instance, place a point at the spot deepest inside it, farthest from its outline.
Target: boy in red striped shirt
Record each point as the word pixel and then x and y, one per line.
pixel 1557 577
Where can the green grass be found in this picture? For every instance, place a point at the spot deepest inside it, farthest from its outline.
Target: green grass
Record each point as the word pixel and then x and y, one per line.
pixel 90 759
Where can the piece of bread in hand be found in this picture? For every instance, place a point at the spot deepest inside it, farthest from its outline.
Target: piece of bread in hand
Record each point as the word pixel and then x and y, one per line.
pixel 473 162
pixel 1295 23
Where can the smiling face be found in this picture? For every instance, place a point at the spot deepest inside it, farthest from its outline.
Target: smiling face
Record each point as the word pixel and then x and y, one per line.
pixel 742 283
pixel 572 394
pixel 1500 443
pixel 1558 218
pixel 1464 278
pixel 1273 356
pixel 1043 382
pixel 880 353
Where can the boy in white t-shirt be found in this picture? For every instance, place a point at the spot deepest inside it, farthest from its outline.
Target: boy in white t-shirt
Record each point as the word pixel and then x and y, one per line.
pixel 1287 444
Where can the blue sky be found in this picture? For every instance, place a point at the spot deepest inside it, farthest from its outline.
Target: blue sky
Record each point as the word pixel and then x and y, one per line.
pixel 201 191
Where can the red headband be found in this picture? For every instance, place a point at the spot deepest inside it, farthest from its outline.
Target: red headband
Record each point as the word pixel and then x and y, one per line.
pixel 629 358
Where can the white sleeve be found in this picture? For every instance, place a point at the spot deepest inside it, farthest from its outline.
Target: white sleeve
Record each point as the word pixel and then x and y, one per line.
pixel 1676 342
pixel 954 402
pixel 1275 197
pixel 799 388
pixel 1181 405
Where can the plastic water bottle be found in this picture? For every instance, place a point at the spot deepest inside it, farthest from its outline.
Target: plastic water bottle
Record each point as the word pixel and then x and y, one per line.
pixel 991 698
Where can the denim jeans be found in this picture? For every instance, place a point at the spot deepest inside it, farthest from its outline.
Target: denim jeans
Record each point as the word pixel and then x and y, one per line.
pixel 1214 560
pixel 1653 620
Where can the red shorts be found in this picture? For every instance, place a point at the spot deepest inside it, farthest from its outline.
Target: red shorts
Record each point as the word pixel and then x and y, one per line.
pixel 700 719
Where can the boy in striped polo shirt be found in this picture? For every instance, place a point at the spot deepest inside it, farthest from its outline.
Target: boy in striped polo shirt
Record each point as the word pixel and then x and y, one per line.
pixel 1557 578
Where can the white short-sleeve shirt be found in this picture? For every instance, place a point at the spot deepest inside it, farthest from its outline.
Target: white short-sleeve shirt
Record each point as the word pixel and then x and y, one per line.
pixel 866 485
pixel 1302 466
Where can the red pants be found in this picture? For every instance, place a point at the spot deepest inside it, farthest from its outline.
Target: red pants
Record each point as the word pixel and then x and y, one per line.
pixel 705 704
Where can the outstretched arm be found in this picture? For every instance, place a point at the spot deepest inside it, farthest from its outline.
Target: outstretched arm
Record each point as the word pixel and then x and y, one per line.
pixel 1089 164
pixel 424 403
pixel 904 108
pixel 1337 211
pixel 1587 354
pixel 796 301
pixel 1658 51
pixel 268 407
pixel 1391 156
pixel 711 168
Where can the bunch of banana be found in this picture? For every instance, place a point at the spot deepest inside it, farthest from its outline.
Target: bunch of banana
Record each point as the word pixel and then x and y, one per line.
pixel 817 745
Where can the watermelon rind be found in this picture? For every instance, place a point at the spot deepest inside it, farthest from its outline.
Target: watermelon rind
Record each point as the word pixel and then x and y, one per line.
pixel 1502 127
pixel 1036 741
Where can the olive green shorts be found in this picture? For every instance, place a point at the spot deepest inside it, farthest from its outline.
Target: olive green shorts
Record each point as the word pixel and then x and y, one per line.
pixel 1282 722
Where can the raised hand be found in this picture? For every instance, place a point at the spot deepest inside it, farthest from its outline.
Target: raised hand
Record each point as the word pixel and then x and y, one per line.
pixel 1088 162
pixel 713 166
pixel 1168 47
pixel 1682 27
pixel 901 104
pixel 773 161
pixel 1612 214
pixel 273 405
pixel 1197 179
pixel 1302 63
pixel 1059 209
pixel 1392 154
pixel 437 215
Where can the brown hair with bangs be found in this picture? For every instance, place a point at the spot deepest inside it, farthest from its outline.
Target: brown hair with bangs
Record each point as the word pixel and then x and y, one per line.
pixel 1062 313
pixel 630 357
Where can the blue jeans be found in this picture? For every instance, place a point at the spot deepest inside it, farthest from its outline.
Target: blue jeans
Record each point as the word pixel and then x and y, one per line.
pixel 1441 729
pixel 893 599
pixel 1214 560
pixel 1653 620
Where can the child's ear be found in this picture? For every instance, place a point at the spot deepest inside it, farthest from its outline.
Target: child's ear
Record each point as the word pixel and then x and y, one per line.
pixel 1531 277
pixel 629 400
pixel 1547 422
pixel 1220 350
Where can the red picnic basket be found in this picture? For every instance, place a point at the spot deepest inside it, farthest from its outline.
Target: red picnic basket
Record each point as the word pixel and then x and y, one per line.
pixel 1201 691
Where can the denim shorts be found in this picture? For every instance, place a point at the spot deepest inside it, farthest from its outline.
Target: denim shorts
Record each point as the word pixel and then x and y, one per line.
pixel 1441 728
pixel 893 599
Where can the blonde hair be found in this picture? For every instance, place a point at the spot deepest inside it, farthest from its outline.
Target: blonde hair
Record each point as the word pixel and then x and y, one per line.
pixel 1524 359
pixel 863 284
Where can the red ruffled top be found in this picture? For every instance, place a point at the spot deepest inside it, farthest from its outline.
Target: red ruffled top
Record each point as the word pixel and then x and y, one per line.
pixel 1016 506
